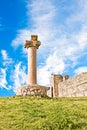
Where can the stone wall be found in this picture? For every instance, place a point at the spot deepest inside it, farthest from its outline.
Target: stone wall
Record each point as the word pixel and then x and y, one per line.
pixel 73 87
pixel 60 87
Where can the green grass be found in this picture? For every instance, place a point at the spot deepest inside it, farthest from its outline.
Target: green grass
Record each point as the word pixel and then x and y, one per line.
pixel 32 113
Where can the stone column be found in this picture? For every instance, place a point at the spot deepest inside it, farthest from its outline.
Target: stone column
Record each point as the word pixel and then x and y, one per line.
pixel 32 46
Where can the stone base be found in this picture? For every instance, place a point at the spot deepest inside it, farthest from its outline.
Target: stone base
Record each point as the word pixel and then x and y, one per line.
pixel 35 89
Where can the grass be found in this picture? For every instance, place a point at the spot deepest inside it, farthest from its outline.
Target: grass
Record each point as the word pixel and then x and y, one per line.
pixel 34 113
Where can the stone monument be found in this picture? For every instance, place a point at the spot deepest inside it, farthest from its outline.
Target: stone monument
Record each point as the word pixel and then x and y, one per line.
pixel 32 88
pixel 32 46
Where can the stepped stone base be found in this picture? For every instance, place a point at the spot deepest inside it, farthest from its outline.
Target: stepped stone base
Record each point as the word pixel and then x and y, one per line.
pixel 34 89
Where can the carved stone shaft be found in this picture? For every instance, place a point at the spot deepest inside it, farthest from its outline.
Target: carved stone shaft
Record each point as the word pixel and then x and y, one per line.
pixel 32 69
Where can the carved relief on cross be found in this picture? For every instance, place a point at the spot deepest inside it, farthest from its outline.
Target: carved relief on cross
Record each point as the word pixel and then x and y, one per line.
pixel 33 42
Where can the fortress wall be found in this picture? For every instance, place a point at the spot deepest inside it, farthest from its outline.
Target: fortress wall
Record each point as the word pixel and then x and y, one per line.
pixel 73 87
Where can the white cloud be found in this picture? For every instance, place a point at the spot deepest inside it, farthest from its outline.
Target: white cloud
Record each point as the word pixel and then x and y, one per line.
pixel 19 76
pixel 53 65
pixel 3 81
pixel 41 22
pixel 79 14
pixel 4 68
pixel 42 13
pixel 21 37
pixel 82 39
pixel 81 69
pixel 6 59
pixel 11 75
pixel 4 54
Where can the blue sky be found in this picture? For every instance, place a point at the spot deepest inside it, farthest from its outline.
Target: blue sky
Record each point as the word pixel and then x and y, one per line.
pixel 61 26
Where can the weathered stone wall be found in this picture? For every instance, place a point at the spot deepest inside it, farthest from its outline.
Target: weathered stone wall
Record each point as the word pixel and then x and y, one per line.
pixel 60 87
pixel 73 87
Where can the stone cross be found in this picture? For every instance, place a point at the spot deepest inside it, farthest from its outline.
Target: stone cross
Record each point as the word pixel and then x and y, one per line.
pixel 32 46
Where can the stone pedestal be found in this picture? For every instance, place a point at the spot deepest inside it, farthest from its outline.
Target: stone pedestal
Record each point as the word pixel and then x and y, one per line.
pixel 32 90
